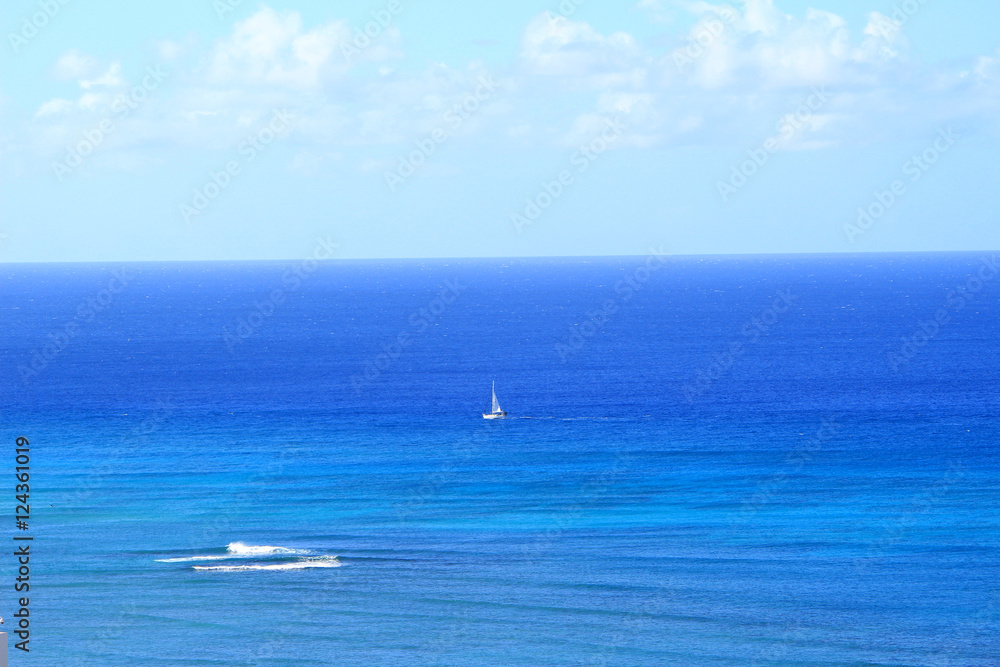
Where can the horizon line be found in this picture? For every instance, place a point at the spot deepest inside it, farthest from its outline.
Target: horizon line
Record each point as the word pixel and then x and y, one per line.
pixel 505 258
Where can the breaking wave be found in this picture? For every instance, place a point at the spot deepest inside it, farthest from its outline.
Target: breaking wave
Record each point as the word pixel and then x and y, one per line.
pixel 266 558
pixel 325 561
pixel 240 549
pixel 190 559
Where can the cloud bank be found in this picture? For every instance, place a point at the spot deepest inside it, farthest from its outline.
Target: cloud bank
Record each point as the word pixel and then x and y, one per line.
pixel 739 71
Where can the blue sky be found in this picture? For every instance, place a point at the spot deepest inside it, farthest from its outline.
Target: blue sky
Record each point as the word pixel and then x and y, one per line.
pixel 203 129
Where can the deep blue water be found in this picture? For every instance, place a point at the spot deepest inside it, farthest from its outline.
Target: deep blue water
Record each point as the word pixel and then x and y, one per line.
pixel 693 478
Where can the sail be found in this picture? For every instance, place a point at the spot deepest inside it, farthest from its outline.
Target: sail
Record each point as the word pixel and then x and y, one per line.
pixel 496 405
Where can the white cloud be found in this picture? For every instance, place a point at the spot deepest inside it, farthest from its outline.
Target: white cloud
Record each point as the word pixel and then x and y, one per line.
pixel 655 10
pixel 573 53
pixel 884 37
pixel 744 68
pixel 169 50
pixel 112 78
pixel 987 68
pixel 763 17
pixel 74 65
pixel 53 107
pixel 271 48
pixel 92 101
pixel 762 47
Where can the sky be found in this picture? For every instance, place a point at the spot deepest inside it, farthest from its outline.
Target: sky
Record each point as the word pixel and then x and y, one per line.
pixel 238 130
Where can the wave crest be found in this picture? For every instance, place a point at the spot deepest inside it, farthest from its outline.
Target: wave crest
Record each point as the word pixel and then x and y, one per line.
pixel 241 549
pixel 262 557
pixel 190 559
pixel 330 561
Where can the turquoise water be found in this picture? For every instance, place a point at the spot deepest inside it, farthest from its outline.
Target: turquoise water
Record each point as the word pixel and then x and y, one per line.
pixel 738 462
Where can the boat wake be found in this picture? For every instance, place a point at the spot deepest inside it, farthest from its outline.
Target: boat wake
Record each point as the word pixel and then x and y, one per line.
pixel 271 558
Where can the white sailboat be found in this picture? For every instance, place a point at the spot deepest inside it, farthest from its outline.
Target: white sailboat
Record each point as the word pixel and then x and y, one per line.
pixel 497 412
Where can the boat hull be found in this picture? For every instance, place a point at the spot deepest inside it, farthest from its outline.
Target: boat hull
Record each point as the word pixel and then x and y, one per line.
pixel 495 415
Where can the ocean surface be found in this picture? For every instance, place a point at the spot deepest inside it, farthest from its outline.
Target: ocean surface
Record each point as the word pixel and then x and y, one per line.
pixel 706 462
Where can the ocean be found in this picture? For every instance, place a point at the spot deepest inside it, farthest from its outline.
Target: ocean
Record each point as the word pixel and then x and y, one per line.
pixel 707 461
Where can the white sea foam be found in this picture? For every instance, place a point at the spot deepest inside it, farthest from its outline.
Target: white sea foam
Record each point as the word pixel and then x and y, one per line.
pixel 249 550
pixel 297 565
pixel 240 550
